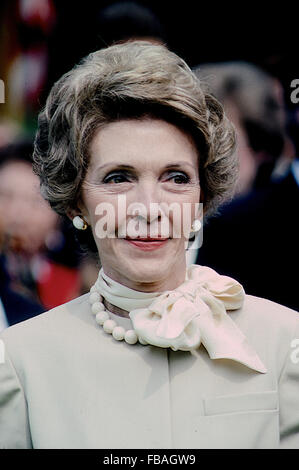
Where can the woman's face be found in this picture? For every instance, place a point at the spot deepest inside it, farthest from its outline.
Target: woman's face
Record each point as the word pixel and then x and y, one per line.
pixel 133 164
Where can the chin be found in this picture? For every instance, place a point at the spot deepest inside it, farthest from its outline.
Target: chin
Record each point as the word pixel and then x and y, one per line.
pixel 150 271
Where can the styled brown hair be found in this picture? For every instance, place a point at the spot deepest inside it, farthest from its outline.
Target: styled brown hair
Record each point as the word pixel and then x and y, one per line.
pixel 129 80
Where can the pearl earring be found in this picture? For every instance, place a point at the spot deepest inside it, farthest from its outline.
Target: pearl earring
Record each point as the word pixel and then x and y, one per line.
pixel 196 225
pixel 79 223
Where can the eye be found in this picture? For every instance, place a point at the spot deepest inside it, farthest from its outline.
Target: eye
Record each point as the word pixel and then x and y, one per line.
pixel 179 177
pixel 116 177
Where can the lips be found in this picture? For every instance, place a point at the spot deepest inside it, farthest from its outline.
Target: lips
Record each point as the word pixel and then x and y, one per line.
pixel 147 244
pixel 147 239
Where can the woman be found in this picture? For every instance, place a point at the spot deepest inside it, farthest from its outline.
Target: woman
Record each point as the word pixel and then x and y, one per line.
pixel 157 355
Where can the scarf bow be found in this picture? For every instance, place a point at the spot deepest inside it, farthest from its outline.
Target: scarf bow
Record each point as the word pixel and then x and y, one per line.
pixel 193 313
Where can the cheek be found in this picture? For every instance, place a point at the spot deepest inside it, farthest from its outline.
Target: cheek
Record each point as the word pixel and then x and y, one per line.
pixel 107 215
pixel 98 205
pixel 188 210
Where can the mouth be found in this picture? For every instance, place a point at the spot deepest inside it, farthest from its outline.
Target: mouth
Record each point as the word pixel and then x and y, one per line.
pixel 147 239
pixel 147 244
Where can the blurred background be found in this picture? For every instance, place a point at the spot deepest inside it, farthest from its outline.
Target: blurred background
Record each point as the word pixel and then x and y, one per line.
pixel 246 56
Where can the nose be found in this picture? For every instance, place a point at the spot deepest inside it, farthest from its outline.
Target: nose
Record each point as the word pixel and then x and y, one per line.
pixel 147 199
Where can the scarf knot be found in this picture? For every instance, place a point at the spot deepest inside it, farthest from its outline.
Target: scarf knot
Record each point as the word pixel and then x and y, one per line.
pixel 192 314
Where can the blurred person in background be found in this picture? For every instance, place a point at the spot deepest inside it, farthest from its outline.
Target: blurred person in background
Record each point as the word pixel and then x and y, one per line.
pixel 15 304
pixel 253 100
pixel 129 20
pixel 261 215
pixel 34 244
pixel 26 27
pixel 14 307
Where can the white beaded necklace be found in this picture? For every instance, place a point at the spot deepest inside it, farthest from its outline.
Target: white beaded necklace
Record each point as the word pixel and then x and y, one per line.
pixel 110 326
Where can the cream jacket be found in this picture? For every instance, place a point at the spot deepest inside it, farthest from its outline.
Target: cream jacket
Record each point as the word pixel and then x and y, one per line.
pixel 65 383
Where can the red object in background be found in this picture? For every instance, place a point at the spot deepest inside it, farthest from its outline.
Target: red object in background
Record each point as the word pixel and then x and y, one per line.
pixel 58 284
pixel 38 13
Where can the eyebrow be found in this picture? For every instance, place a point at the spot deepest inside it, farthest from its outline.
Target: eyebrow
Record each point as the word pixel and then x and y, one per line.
pixel 125 165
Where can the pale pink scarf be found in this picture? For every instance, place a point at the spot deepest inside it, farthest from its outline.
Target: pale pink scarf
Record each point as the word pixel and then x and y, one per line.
pixel 193 313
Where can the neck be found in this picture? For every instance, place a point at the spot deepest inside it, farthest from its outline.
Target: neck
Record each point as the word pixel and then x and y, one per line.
pixel 121 297
pixel 170 282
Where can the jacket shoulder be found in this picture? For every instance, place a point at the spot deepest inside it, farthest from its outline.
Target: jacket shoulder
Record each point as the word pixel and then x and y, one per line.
pixel 267 310
pixel 44 324
pixel 269 325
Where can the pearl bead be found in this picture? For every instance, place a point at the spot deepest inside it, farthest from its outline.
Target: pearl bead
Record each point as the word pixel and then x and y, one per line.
pixel 101 317
pixel 118 333
pixel 131 337
pixel 97 307
pixel 142 341
pixel 94 297
pixel 109 325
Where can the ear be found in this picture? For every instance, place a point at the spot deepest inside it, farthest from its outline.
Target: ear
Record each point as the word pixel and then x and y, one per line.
pixel 71 213
pixel 80 210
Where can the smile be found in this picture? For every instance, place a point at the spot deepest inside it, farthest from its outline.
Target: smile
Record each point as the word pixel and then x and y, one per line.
pixel 147 244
